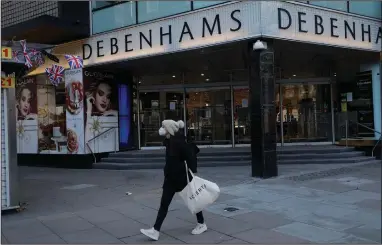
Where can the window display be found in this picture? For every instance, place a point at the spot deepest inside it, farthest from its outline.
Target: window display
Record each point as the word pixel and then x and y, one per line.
pixel 51 116
pixel 101 112
pixel 26 114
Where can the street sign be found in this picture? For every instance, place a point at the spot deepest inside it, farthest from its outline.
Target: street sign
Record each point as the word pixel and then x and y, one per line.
pixel 7 82
pixel 6 53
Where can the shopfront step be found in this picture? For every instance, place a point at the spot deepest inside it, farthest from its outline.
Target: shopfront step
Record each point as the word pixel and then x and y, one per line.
pixel 297 150
pixel 201 158
pixel 326 160
pixel 161 153
pixel 160 165
pixel 215 157
pixel 309 155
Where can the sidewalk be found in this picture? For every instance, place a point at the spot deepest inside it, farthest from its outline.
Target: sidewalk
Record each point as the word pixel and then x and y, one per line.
pixel 305 204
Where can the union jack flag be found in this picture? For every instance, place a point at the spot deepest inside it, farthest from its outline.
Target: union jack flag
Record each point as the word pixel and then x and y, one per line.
pixel 28 61
pixel 55 74
pixel 15 55
pixel 74 61
pixel 36 56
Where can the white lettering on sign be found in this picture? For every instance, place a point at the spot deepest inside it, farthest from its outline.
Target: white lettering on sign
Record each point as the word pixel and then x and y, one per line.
pixel 233 22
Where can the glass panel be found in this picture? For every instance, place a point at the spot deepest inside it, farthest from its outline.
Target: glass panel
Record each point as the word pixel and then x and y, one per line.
pixel 367 8
pixel 209 116
pixel 338 5
pixel 241 115
pixel 306 112
pixel 101 4
pixel 51 116
pixel 278 115
pixel 203 4
pixel 156 107
pixel 150 10
pixel 114 17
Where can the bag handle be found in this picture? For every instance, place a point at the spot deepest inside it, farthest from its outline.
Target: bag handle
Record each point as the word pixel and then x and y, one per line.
pixel 188 170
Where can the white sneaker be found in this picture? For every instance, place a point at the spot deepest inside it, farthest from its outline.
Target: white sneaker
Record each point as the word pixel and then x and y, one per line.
pixel 199 229
pixel 151 233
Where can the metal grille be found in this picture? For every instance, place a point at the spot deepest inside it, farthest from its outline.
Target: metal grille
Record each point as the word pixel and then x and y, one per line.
pixel 15 12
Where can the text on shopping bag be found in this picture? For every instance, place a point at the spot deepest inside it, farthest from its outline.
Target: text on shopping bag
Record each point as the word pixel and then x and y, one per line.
pixel 198 191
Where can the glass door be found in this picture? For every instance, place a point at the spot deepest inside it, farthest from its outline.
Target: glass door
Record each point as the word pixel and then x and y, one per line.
pixel 209 120
pixel 306 112
pixel 241 115
pixel 156 107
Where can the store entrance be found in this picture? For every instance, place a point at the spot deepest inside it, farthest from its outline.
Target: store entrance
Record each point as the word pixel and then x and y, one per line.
pixel 208 116
pixel 154 108
pixel 304 112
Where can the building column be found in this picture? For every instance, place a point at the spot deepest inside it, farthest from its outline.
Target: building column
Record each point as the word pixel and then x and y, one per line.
pixel 262 110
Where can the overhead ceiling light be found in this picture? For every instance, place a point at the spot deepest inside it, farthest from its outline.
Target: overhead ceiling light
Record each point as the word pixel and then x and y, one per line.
pixel 173 76
pixel 202 74
pixel 207 79
pixel 294 75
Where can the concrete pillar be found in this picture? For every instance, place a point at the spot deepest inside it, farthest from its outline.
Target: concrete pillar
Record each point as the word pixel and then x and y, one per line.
pixel 262 110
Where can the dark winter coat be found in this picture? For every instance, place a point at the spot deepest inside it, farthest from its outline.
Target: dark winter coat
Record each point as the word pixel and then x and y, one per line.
pixel 178 151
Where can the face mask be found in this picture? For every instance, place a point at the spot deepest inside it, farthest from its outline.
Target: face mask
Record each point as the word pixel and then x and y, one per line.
pixel 162 131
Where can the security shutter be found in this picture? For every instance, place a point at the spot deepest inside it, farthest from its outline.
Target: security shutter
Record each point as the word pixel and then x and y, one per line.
pixel 4 152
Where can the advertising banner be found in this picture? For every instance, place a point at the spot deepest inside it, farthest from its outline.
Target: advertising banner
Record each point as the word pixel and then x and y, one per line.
pixel 74 111
pixel 26 114
pixel 101 112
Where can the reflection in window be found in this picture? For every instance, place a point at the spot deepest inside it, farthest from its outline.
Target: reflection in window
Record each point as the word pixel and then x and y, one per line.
pixel 203 4
pixel 117 16
pixel 51 116
pixel 367 8
pixel 150 10
pixel 338 5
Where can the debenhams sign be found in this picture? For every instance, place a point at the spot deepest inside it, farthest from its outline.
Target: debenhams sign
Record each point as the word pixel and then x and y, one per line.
pixel 232 22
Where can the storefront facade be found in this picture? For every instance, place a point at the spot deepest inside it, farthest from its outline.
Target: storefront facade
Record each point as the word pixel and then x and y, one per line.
pixel 216 109
pixel 198 66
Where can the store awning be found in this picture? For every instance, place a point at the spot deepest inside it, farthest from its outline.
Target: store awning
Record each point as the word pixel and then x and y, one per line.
pixel 73 48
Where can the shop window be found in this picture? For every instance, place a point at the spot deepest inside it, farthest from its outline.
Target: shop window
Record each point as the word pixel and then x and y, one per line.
pixel 337 5
pixel 51 116
pixel 104 4
pixel 117 16
pixel 203 4
pixel 150 10
pixel 367 8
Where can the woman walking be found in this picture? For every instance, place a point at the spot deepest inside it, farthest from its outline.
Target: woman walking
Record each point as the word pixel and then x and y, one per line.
pixel 175 178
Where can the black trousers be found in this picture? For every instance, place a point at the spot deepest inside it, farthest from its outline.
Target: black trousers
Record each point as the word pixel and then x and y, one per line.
pixel 165 202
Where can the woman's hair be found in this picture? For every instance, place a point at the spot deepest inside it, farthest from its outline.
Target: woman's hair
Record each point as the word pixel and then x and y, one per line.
pixel 92 89
pixel 19 92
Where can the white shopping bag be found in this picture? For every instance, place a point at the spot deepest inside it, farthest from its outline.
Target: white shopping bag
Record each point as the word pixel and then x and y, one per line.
pixel 199 193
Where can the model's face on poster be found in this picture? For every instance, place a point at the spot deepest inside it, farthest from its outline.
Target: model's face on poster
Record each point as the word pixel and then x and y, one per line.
pixel 25 102
pixel 102 97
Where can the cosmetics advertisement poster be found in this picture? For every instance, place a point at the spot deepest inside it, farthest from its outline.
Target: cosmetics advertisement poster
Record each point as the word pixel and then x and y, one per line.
pixel 74 111
pixel 101 111
pixel 26 113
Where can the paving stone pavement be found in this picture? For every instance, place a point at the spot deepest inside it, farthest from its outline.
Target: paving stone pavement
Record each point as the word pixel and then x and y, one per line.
pixel 98 206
